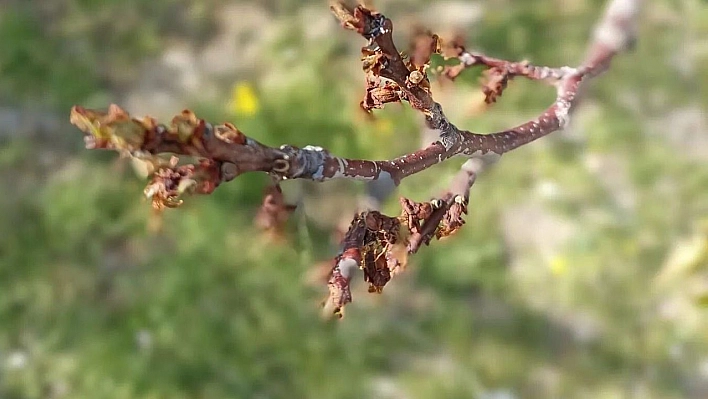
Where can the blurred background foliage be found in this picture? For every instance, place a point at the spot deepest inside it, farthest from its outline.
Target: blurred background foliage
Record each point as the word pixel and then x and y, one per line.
pixel 582 271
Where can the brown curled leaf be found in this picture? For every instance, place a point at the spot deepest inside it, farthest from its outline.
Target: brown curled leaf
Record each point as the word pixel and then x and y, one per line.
pixel 376 271
pixel 423 45
pixel 496 80
pixel 373 61
pixel 454 47
pixel 274 211
pixel 377 97
pixel 414 213
pixel 453 71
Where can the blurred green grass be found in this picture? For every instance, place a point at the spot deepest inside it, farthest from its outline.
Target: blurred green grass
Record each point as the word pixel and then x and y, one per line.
pixel 94 305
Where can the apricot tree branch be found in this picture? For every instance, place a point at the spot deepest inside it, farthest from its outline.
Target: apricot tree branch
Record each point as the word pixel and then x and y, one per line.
pixel 616 32
pixel 219 153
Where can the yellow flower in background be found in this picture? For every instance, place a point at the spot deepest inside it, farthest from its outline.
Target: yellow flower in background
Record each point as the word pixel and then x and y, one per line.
pixel 559 265
pixel 383 127
pixel 244 101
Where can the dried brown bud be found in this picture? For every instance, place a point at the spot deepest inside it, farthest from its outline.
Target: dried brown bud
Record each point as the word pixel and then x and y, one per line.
pixel 416 77
pixel 496 81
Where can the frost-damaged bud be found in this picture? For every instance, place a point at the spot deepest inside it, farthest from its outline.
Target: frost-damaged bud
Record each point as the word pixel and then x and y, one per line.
pixel 496 81
pixel 376 271
pixel 274 211
pixel 373 61
pixel 339 292
pixel 382 233
pixel 453 48
pixel 169 184
pixel 114 129
pixel 415 77
pixel 415 212
pixel 437 218
pixel 452 221
pixel 230 134
pixel 423 45
pixel 376 97
pixel 344 266
pixel 184 125
pixel 370 245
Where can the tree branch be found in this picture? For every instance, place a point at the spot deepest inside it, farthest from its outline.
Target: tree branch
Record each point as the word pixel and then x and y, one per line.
pixel 222 152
